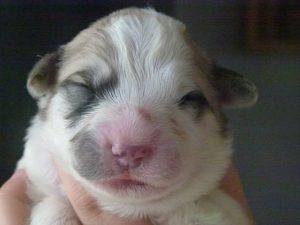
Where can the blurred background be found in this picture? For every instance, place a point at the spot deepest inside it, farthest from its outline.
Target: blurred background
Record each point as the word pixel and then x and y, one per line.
pixel 259 39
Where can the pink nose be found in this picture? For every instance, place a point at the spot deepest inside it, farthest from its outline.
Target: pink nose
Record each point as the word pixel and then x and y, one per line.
pixel 130 156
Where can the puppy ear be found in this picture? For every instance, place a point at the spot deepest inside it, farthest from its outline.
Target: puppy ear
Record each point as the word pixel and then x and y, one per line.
pixel 42 78
pixel 233 89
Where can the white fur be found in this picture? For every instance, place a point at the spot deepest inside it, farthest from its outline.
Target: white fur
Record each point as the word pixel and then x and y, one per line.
pixel 146 50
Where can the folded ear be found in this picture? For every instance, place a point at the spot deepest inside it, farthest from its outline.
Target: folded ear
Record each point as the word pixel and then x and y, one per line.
pixel 42 78
pixel 233 89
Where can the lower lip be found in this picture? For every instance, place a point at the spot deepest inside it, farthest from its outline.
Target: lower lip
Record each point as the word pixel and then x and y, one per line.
pixel 127 187
pixel 122 184
pixel 125 183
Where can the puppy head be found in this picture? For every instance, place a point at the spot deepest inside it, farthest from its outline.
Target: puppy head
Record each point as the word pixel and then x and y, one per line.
pixel 133 110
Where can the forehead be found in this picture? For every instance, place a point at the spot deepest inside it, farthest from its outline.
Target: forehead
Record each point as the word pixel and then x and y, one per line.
pixel 144 49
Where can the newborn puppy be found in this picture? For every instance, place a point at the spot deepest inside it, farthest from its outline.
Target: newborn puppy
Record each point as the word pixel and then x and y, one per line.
pixel 132 110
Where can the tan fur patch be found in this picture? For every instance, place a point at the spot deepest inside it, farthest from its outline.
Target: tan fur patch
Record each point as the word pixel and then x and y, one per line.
pixel 178 131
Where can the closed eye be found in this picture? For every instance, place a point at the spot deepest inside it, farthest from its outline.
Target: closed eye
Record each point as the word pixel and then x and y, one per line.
pixel 77 92
pixel 74 84
pixel 193 98
pixel 80 97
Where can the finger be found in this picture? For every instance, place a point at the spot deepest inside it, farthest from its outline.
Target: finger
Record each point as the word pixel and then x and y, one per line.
pixel 13 200
pixel 232 185
pixel 83 204
pixel 15 187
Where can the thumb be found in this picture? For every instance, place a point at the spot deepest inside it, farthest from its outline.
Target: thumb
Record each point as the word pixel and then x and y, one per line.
pixel 83 204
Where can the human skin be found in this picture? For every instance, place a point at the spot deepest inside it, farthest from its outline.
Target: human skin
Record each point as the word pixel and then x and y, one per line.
pixel 13 200
pixel 14 209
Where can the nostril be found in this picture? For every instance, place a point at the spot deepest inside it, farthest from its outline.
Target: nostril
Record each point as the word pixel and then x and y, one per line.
pixel 139 152
pixel 132 155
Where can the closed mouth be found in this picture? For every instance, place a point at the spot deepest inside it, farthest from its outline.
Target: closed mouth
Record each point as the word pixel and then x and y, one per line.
pixel 130 188
pixel 124 184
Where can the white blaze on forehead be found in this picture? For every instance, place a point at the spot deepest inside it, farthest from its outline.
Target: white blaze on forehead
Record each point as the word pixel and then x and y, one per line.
pixel 140 41
pixel 145 50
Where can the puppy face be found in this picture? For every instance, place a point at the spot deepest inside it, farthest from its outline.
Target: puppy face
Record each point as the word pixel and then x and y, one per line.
pixel 132 109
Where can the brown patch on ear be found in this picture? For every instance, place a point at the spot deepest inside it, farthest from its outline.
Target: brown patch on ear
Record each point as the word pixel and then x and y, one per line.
pixel 43 76
pixel 178 131
pixel 221 86
pixel 233 89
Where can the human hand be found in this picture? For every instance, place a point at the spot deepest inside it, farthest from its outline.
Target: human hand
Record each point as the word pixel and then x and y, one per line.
pixel 14 208
pixel 13 200
pixel 232 185
pixel 86 208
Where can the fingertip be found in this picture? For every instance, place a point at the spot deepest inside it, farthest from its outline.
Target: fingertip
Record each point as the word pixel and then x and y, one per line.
pixel 20 173
pixel 16 186
pixel 14 207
